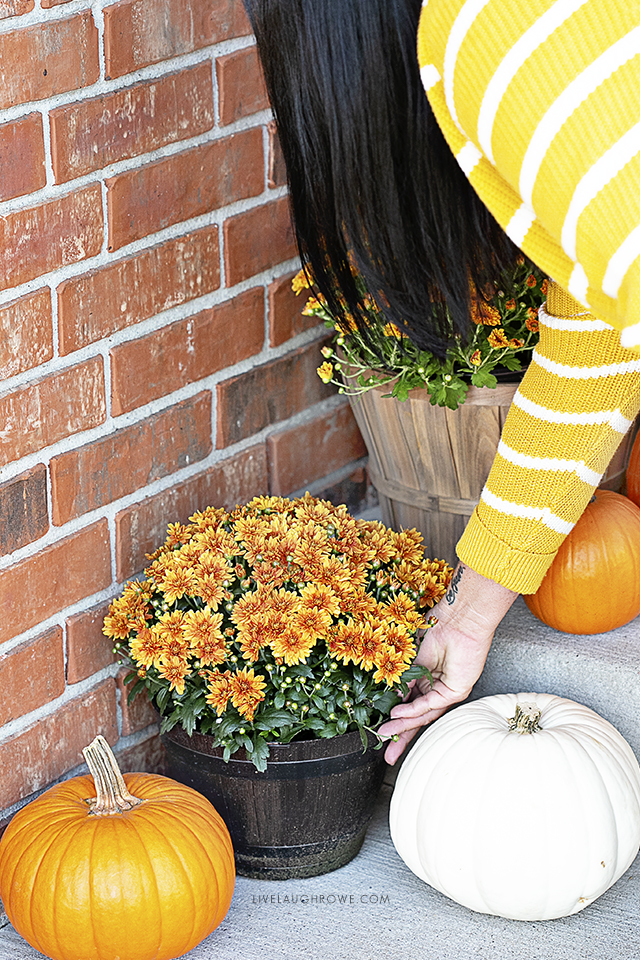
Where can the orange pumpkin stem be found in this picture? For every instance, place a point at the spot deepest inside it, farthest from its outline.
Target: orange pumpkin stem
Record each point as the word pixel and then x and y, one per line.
pixel 112 794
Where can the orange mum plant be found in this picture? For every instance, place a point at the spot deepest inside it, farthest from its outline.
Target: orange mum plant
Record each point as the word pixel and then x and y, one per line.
pixel 282 619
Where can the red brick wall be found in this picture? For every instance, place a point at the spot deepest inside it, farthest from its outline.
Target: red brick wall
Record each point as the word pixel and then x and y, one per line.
pixel 153 359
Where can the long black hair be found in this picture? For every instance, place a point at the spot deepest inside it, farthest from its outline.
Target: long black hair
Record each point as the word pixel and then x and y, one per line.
pixel 372 180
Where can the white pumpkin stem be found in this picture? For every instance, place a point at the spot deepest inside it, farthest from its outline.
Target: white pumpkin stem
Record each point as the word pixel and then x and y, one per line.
pixel 526 718
pixel 112 794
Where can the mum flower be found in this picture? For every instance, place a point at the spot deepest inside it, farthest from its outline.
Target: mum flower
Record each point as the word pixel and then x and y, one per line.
pixel 202 631
pixel 291 646
pixel 391 665
pixel 174 669
pixel 312 306
pixel 247 691
pixel 219 690
pixel 497 339
pixel 300 282
pixel 390 330
pixel 345 643
pixel 484 313
pixel 325 372
pixel 146 646
pixel 177 581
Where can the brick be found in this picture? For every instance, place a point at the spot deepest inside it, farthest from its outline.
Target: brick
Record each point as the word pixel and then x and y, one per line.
pixel 147 756
pixel 142 527
pixel 129 459
pixel 47 4
pixel 99 303
pixel 88 650
pixel 15 8
pixel 92 134
pixel 186 351
pixel 48 58
pixel 152 197
pixel 39 662
pixel 22 157
pixel 334 439
pixel 286 319
pixel 267 394
pixel 52 408
pixel 241 88
pixel 39 587
pixel 23 509
pixel 138 714
pixel 139 32
pixel 45 751
pixel 277 176
pixel 26 333
pixel 54 234
pixel 258 239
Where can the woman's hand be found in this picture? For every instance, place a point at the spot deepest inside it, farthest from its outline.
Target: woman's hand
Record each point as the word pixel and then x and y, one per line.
pixel 454 651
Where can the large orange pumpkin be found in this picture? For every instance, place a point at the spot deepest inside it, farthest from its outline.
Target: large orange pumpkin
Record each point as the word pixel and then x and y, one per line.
pixel 593 585
pixel 633 473
pixel 140 868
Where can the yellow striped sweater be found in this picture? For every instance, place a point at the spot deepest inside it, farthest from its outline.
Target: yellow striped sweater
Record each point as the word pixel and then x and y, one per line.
pixel 539 101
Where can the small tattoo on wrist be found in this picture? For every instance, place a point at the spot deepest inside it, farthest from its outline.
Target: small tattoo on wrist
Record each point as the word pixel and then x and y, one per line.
pixel 452 592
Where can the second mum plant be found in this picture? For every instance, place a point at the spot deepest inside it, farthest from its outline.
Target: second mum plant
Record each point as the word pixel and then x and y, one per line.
pixel 432 424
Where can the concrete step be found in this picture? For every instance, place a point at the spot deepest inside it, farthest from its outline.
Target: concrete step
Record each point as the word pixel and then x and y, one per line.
pixel 376 909
pixel 602 671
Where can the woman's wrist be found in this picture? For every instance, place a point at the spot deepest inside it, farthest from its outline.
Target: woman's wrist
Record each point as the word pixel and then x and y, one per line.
pixel 473 604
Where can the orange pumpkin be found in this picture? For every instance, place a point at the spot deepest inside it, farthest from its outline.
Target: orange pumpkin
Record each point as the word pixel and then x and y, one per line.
pixel 633 473
pixel 593 585
pixel 139 868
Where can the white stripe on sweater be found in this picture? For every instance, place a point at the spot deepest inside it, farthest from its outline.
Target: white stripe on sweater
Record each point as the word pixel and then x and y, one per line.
pixel 595 179
pixel 537 33
pixel 572 323
pixel 429 76
pixel 578 467
pixel 468 157
pixel 578 284
pixel 627 252
pixel 586 373
pixel 613 418
pixel 520 224
pixel 543 514
pixel 569 100
pixel 630 336
pixel 457 34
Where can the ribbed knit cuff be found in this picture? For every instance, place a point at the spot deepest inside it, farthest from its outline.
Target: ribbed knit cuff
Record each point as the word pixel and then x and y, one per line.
pixel 493 558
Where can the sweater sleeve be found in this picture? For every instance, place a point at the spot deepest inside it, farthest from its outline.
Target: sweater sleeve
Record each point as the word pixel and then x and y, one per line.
pixel 578 398
pixel 539 105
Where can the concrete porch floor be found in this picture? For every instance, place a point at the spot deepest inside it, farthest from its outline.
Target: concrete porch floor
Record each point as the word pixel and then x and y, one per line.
pixel 376 909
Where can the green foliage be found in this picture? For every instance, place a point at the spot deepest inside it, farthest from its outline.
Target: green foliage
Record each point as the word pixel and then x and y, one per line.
pixel 504 335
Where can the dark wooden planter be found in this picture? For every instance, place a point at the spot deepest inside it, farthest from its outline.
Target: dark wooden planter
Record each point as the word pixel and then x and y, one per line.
pixel 306 815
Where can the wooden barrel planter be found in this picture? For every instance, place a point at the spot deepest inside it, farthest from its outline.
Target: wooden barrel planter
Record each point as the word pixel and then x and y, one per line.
pixel 306 815
pixel 429 464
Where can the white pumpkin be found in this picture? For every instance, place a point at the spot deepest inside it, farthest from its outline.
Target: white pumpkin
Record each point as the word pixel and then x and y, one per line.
pixel 525 806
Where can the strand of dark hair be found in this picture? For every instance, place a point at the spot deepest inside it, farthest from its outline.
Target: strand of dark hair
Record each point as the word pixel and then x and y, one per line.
pixel 372 181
